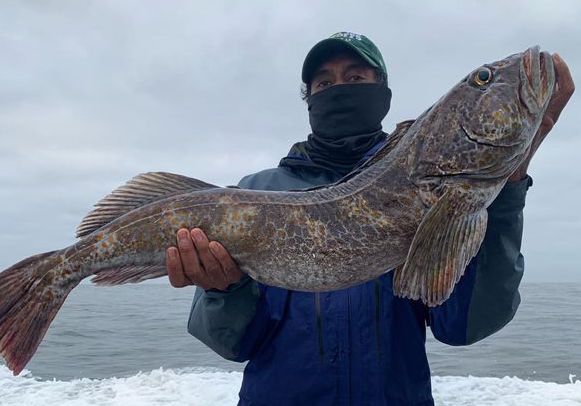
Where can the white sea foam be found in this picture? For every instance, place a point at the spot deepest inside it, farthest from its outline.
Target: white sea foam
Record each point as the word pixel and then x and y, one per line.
pixel 470 391
pixel 204 387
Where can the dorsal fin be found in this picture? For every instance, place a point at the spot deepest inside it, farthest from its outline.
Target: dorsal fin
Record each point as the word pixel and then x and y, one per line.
pixel 392 140
pixel 139 191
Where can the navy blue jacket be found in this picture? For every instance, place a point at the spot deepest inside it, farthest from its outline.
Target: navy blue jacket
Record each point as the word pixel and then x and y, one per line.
pixel 361 345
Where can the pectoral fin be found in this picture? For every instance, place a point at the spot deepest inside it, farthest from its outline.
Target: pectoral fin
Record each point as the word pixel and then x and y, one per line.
pixel 447 239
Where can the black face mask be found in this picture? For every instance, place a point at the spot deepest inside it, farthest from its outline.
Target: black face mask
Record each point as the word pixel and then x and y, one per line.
pixel 346 124
pixel 346 110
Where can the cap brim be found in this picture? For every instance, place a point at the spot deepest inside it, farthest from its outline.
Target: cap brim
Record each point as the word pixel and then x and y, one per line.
pixel 325 49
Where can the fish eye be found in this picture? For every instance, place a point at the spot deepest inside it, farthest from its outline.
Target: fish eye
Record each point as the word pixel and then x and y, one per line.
pixel 483 76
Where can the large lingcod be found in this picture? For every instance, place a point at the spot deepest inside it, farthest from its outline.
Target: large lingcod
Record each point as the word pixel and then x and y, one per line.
pixel 418 207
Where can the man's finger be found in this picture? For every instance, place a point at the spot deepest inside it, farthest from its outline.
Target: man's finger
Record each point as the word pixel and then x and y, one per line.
pixel 564 87
pixel 192 270
pixel 175 271
pixel 564 77
pixel 232 272
pixel 202 247
pixel 209 263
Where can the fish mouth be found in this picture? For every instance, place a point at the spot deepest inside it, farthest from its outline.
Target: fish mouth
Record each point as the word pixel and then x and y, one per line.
pixel 479 139
pixel 538 78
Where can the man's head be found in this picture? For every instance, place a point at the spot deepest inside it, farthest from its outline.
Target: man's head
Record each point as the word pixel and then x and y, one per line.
pixel 345 86
pixel 344 58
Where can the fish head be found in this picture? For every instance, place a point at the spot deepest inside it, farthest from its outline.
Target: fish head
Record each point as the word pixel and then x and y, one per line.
pixel 484 126
pixel 505 100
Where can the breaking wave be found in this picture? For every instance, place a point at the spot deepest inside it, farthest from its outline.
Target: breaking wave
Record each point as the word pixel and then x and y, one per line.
pixel 199 387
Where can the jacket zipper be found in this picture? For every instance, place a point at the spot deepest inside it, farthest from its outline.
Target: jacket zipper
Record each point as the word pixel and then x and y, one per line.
pixel 378 316
pixel 319 325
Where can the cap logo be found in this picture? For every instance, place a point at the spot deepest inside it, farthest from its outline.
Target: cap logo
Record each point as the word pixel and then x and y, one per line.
pixel 348 36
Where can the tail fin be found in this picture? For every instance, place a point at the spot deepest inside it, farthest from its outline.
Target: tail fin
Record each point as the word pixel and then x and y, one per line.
pixel 29 300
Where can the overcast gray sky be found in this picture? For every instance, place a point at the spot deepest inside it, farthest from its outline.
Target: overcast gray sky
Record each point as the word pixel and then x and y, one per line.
pixel 94 92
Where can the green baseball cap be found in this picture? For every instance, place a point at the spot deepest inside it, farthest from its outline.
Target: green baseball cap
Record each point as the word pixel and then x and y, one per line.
pixel 338 42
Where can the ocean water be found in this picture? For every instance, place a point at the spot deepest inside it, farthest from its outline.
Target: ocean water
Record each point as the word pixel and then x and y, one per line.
pixel 128 345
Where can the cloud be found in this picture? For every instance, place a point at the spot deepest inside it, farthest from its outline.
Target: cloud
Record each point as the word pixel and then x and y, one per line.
pixel 93 93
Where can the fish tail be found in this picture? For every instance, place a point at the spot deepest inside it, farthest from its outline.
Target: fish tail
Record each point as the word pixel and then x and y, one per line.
pixel 29 301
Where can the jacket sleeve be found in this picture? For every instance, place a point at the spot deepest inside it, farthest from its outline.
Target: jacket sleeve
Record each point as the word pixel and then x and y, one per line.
pixel 486 297
pixel 222 320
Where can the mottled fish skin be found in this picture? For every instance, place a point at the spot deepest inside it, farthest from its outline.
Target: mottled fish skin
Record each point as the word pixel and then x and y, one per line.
pixel 417 206
pixel 301 240
pixel 354 231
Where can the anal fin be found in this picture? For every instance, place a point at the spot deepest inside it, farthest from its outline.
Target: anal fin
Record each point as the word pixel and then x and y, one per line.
pixel 128 274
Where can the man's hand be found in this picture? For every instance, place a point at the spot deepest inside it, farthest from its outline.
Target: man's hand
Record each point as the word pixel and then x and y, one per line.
pixel 564 88
pixel 200 262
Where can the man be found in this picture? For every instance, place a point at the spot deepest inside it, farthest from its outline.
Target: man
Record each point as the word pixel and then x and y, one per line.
pixel 360 345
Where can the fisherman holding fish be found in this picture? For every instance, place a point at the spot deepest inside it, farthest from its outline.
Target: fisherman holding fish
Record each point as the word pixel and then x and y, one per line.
pixel 360 345
pixel 389 233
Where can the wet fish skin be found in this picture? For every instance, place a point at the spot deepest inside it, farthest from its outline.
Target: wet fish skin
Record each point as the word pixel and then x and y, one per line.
pixel 418 206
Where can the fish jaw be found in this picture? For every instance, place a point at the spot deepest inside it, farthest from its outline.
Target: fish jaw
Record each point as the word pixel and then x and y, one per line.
pixel 537 74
